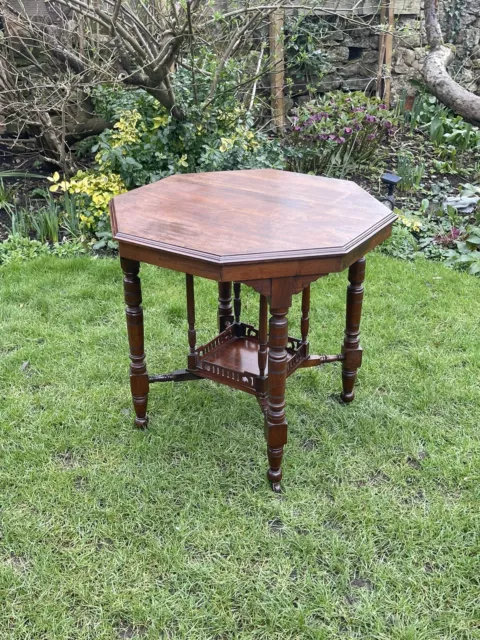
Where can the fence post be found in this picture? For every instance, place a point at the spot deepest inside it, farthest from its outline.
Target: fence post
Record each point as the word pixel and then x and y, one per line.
pixel 277 64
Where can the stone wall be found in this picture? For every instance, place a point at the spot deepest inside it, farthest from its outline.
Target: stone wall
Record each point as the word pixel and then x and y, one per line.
pixel 461 28
pixel 353 48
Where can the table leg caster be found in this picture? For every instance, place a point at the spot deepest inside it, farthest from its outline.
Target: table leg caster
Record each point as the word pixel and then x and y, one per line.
pixel 345 398
pixel 276 487
pixel 141 423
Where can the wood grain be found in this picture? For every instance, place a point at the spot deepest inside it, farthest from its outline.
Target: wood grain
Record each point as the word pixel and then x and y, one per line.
pixel 248 216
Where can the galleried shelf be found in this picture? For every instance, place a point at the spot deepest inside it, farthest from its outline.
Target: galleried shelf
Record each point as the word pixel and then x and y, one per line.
pixel 274 231
pixel 232 358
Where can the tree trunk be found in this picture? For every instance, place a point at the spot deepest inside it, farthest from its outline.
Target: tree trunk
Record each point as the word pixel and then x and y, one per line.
pixel 441 84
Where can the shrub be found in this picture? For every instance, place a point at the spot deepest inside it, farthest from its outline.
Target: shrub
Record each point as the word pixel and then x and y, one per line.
pixel 92 191
pixel 337 134
pixel 146 143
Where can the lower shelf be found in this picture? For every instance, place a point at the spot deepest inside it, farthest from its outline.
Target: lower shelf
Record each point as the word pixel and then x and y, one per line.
pixel 233 360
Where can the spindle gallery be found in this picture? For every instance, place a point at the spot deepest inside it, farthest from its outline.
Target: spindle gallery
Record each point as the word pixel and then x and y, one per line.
pixel 274 231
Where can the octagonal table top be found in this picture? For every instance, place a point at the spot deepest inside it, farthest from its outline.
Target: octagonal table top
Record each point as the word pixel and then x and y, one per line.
pixel 250 217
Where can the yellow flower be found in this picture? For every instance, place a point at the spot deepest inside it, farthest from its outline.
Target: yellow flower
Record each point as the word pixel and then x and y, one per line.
pixel 409 223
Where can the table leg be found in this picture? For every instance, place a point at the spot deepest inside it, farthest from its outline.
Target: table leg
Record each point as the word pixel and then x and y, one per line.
pixel 237 304
pixel 351 345
pixel 225 311
pixel 275 421
pixel 138 367
pixel 305 322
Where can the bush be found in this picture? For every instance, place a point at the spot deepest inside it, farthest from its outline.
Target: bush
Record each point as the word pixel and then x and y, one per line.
pixel 147 144
pixel 92 191
pixel 337 134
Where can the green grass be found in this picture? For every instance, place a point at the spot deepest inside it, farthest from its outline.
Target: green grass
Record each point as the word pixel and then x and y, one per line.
pixel 107 532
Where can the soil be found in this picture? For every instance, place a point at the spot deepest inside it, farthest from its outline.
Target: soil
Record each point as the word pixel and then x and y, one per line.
pixel 434 185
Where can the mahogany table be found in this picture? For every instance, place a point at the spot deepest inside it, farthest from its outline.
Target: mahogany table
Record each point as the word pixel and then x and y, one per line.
pixel 271 230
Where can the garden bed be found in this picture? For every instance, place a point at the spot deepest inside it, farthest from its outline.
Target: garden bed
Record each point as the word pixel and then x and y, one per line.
pixel 349 136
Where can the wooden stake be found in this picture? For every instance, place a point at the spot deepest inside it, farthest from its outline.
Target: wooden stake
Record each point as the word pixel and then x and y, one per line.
pixel 388 52
pixel 381 49
pixel 277 64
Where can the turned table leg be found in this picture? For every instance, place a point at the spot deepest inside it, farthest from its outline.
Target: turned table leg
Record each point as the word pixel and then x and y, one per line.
pixel 305 322
pixel 138 367
pixel 225 311
pixel 275 421
pixel 351 345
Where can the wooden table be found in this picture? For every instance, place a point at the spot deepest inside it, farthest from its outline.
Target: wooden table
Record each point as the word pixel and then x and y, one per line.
pixel 271 230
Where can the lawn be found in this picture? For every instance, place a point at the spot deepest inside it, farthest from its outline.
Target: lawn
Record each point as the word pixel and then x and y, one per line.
pixel 108 533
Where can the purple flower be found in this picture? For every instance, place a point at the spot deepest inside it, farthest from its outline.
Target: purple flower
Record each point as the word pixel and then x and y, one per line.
pixel 340 140
pixel 382 106
pixel 323 136
pixel 348 130
pixel 387 124
pixel 370 118
pixel 358 109
pixel 332 136
pixel 371 136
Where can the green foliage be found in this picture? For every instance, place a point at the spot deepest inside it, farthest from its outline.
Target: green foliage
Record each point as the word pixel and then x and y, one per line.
pixel 449 238
pixel 466 254
pixel 46 220
pixel 450 134
pixel 7 197
pixel 305 58
pixel 104 241
pixel 87 196
pixel 410 172
pixel 338 133
pixel 111 102
pixel 147 144
pixel 401 244
pixel 20 220
pixel 20 249
pixel 46 217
